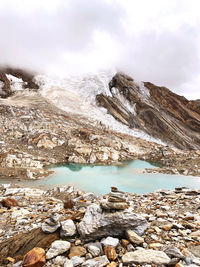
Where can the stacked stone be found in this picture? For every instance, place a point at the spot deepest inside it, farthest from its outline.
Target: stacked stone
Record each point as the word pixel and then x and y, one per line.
pixel 116 200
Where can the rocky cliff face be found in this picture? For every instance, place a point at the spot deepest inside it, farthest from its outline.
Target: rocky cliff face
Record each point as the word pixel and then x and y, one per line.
pixel 154 110
pixel 25 78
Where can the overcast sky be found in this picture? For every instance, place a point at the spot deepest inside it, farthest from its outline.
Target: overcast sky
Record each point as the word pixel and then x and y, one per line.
pixel 152 40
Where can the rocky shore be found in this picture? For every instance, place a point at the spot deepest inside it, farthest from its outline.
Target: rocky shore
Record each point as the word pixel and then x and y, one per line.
pixel 66 227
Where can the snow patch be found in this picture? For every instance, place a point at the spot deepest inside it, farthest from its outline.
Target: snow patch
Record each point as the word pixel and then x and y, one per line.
pixel 16 84
pixel 77 95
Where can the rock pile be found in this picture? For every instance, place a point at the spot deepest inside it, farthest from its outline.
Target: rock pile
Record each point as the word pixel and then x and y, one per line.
pixel 157 229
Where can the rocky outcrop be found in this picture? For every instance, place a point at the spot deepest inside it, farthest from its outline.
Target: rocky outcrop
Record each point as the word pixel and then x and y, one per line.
pixel 97 224
pixel 154 110
pixel 25 76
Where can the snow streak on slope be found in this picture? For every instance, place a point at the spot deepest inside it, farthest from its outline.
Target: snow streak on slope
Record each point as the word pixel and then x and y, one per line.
pixel 77 95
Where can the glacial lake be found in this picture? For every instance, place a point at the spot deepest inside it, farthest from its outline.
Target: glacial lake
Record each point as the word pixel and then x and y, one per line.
pixel 99 179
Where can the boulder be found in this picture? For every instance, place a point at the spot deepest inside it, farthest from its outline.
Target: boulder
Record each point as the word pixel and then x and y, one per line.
pixel 68 228
pixel 58 247
pixel 146 256
pixel 98 224
pixel 34 258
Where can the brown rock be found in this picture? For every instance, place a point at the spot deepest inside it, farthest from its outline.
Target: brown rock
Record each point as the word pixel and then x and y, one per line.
pixel 110 253
pixel 77 251
pixel 9 202
pixel 125 243
pixel 34 258
pixel 167 227
pixel 20 244
pixel 112 264
pixel 134 238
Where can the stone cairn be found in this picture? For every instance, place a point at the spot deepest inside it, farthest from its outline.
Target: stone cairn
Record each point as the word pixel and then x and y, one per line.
pixel 116 200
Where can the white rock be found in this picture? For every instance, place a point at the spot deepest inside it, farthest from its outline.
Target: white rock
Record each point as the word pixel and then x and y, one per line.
pixel 149 256
pixel 57 247
pixel 68 228
pixel 77 260
pixel 98 224
pixel 68 263
pixel 110 242
pixel 95 249
pixel 96 262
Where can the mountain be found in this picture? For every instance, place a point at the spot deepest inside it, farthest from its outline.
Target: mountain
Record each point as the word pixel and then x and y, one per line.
pixel 102 118
pixel 155 110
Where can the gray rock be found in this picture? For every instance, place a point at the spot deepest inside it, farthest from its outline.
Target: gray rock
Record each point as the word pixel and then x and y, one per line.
pixel 97 224
pixel 51 224
pixel 173 252
pixel 59 260
pixel 110 242
pixel 95 249
pixel 68 263
pixel 143 256
pixel 77 260
pixel 68 228
pixel 57 247
pixel 96 262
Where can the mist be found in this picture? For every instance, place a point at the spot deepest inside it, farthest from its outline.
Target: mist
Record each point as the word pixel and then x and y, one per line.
pixel 154 41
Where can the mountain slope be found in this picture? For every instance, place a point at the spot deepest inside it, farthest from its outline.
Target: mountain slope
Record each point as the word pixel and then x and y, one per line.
pixel 155 110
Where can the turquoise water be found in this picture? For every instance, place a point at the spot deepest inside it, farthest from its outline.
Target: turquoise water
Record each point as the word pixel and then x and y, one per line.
pixel 129 178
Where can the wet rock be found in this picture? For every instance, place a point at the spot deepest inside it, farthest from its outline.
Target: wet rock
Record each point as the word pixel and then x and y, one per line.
pixel 77 251
pixel 9 202
pixel 148 256
pixel 34 258
pixel 96 262
pixel 133 237
pixel 58 247
pixel 97 224
pixel 68 228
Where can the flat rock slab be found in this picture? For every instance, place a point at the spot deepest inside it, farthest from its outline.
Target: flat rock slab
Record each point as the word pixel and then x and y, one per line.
pixel 148 256
pixel 97 223
pixel 20 244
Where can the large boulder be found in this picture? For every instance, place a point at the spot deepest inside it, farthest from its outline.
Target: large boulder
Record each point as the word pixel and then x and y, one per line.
pixel 98 223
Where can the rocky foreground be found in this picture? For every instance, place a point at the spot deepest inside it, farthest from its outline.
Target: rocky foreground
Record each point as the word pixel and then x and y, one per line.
pixel 67 227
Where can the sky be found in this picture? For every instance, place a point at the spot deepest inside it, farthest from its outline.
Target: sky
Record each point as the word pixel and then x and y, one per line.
pixel 151 40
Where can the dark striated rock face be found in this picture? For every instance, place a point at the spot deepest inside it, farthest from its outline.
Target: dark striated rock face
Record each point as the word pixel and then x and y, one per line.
pixel 154 110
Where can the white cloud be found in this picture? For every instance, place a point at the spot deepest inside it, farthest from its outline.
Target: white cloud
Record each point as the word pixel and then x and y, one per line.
pixel 151 40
